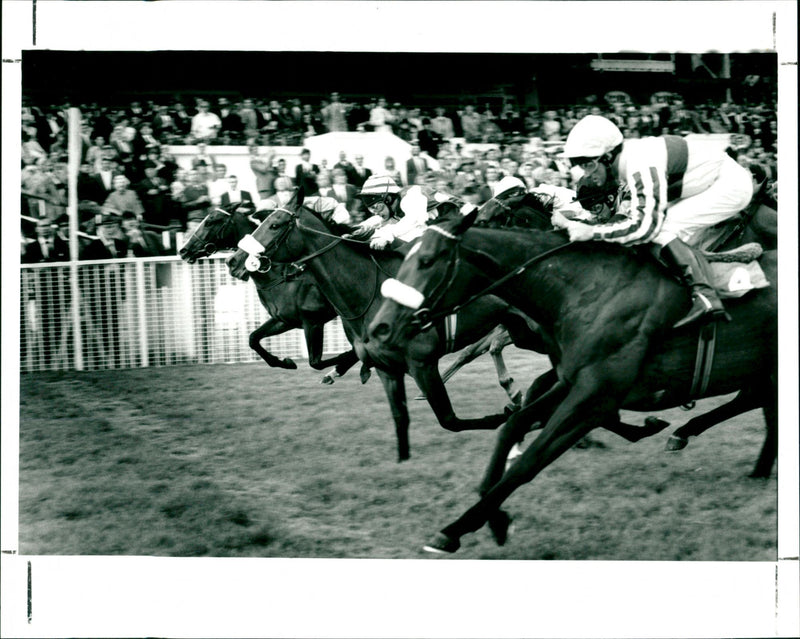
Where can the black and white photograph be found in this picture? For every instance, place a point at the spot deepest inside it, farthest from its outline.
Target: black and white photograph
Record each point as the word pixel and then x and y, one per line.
pixel 403 319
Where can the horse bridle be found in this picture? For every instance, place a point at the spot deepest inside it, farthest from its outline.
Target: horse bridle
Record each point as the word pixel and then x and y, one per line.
pixel 424 317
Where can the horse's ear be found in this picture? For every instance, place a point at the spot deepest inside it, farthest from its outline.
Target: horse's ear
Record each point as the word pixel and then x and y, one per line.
pixel 300 195
pixel 466 221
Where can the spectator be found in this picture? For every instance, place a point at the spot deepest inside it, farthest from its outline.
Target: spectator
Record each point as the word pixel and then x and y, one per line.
pixel 218 184
pixel 343 190
pixel 162 124
pixel 122 147
pixel 390 169
pixel 122 198
pixel 205 124
pixel 153 192
pixel 280 171
pixel 252 120
pixel 360 172
pixel 141 243
pixel 324 188
pixel 231 125
pixel 334 114
pixel 32 151
pixel 428 140
pixel 265 174
pixel 551 127
pixel 47 247
pixel 442 124
pixel 305 173
pixel 196 200
pixel 380 118
pixel 182 119
pixel 110 243
pixel 471 124
pixel 416 165
pixel 235 195
pixel 347 167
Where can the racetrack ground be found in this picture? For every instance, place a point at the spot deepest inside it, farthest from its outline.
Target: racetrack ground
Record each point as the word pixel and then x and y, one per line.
pixel 247 461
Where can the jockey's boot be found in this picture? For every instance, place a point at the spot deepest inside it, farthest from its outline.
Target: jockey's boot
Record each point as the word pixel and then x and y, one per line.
pixel 694 272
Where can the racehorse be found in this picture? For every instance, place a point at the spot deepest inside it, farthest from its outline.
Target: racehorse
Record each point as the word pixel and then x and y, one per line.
pixel 606 312
pixel 292 299
pixel 350 277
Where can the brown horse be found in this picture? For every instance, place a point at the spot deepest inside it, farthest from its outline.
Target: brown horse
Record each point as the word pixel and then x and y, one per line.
pixel 350 277
pixel 605 312
pixel 292 299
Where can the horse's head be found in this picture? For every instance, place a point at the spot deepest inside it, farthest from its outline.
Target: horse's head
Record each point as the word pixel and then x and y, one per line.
pixel 517 207
pixel 271 240
pixel 221 229
pixel 426 287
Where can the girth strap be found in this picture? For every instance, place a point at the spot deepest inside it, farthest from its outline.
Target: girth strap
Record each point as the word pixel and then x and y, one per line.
pixel 706 340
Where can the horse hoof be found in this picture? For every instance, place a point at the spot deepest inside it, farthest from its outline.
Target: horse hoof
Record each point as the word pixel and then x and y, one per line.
pixel 498 525
pixel 327 379
pixel 420 398
pixel 656 424
pixel 289 363
pixel 516 398
pixel 675 443
pixel 442 544
pixel 365 374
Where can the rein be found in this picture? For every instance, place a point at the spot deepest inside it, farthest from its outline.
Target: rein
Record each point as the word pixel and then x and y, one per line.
pixel 299 264
pixel 424 318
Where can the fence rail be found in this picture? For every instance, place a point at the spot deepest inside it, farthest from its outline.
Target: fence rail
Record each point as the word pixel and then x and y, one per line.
pixel 145 312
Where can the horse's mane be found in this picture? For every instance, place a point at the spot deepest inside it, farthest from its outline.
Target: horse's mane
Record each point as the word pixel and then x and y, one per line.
pixel 521 210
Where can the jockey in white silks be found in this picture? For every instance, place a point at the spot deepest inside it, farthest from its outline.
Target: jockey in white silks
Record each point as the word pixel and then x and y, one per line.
pixel 674 187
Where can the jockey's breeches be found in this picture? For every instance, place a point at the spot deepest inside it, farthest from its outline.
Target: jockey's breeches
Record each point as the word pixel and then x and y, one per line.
pixel 727 196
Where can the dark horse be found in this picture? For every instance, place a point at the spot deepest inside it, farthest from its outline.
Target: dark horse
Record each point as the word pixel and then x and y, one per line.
pixel 350 277
pixel 292 299
pixel 518 208
pixel 605 312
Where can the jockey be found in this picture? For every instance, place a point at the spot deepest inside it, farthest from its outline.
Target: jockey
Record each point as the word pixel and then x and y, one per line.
pixel 674 188
pixel 402 213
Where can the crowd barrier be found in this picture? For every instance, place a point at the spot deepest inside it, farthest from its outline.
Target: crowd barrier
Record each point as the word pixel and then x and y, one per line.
pixel 145 312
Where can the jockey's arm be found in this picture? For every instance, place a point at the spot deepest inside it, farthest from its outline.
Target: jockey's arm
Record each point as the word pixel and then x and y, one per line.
pixel 642 220
pixel 329 208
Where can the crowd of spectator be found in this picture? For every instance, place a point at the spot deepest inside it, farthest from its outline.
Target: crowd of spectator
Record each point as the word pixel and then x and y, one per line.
pixel 130 190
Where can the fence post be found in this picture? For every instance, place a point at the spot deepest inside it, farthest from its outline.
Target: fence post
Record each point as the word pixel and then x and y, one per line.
pixel 141 314
pixel 73 164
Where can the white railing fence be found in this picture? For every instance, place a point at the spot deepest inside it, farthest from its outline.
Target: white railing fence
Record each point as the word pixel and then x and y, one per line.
pixel 146 312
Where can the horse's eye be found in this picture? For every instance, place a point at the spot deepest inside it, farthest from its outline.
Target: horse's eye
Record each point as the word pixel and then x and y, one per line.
pixel 425 261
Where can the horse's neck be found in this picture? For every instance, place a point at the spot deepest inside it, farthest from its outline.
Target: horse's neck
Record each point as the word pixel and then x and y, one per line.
pixel 349 280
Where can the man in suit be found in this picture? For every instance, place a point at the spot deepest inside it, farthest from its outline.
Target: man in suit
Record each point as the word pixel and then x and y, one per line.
pixel 342 190
pixel 234 194
pixel 47 289
pixel 347 167
pixel 104 181
pixel 361 173
pixel 305 173
pixel 47 247
pixel 141 243
pixel 416 165
pixel 105 295
pixel 153 193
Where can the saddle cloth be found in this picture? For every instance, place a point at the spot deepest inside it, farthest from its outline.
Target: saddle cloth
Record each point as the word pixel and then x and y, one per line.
pixel 735 272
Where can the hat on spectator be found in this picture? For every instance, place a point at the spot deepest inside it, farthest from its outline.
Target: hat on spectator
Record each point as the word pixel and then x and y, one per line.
pixel 379 185
pixel 592 137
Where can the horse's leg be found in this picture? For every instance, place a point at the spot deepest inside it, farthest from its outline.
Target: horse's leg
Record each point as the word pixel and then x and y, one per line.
pixel 464 357
pixel 467 355
pixel 652 426
pixel 584 408
pixel 396 394
pixel 273 326
pixel 501 339
pixel 746 400
pixel 769 449
pixel 429 381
